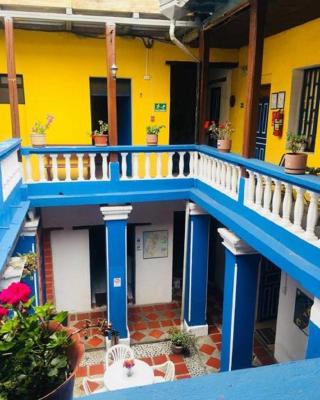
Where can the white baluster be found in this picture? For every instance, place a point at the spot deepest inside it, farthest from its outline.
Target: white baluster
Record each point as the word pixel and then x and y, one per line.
pixel 41 168
pixel 228 177
pixel 218 173
pixel 213 171
pixel 209 169
pixel 191 166
pixel 298 210
pixel 181 164
pixel 200 171
pixel 312 216
pixel 276 201
pixel 135 161
pixel 124 166
pixel 223 175
pixel 92 157
pixel 68 167
pixel 170 155
pixel 234 180
pixel 54 167
pixel 147 173
pixel 105 175
pixel 28 169
pixel 80 166
pixel 251 190
pixel 259 191
pixel 267 194
pixel 287 205
pixel 195 164
pixel 159 164
pixel 205 167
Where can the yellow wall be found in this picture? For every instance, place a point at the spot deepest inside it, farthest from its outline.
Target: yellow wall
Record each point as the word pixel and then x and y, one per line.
pixel 284 52
pixel 56 68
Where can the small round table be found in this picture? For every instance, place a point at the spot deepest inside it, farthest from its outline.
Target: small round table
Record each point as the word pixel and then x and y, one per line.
pixel 116 377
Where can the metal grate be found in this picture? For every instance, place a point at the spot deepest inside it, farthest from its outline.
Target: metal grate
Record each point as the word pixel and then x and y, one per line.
pixel 309 107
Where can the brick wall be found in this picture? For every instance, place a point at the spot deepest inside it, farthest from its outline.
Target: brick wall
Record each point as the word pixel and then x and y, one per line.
pixel 48 267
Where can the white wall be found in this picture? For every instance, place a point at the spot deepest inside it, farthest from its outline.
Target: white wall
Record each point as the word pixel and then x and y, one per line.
pixel 71 269
pixel 153 275
pixel 290 341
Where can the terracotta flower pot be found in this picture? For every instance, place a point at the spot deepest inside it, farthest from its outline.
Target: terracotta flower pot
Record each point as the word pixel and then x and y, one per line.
pixel 152 140
pixel 295 163
pixel 38 140
pixel 100 140
pixel 75 353
pixel 224 145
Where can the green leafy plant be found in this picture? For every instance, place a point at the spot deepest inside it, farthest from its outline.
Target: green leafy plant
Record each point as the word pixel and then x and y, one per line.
pixel 180 338
pixel 40 128
pixel 31 263
pixel 221 131
pixel 296 143
pixel 154 129
pixel 103 129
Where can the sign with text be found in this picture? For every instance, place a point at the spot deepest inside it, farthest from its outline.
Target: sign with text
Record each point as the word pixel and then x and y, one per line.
pixel 160 107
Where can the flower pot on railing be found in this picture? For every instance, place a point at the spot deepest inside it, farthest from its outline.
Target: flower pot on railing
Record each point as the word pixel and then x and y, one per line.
pixel 38 139
pixel 295 163
pixel 100 140
pixel 224 145
pixel 152 139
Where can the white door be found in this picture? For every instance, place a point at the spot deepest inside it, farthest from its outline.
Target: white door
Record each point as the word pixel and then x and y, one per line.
pixel 71 269
pixel 153 247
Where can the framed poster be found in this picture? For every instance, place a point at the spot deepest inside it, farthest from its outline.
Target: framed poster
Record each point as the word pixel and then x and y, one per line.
pixel 302 311
pixel 155 244
pixel 274 101
pixel 281 99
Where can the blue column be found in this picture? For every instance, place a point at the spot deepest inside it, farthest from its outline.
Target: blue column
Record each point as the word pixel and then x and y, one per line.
pixel 196 270
pixel 239 302
pixel 313 345
pixel 115 218
pixel 27 243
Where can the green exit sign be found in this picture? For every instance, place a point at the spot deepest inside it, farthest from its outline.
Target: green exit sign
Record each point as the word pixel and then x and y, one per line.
pixel 160 107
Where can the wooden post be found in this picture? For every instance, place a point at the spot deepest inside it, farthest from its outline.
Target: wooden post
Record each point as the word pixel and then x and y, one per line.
pixel 204 51
pixel 112 84
pixel 255 56
pixel 12 77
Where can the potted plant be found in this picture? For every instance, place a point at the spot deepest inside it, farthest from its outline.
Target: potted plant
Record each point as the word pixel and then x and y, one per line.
pixel 223 133
pixel 38 132
pixel 38 356
pixel 100 136
pixel 152 134
pixel 180 340
pixel 295 161
pixel 30 263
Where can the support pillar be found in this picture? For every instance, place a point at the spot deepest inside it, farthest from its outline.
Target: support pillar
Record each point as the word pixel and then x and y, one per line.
pixel 204 51
pixel 313 345
pixel 239 302
pixel 196 271
pixel 115 218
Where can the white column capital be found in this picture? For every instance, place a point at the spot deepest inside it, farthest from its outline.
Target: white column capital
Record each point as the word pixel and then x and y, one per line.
pixel 30 227
pixel 315 312
pixel 234 244
pixel 113 213
pixel 194 209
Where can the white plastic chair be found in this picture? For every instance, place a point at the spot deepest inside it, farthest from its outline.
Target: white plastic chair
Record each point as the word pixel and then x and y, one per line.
pixel 86 387
pixel 118 352
pixel 169 372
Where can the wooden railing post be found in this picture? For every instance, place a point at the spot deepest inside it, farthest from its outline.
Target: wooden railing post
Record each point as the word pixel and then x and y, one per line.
pixel 204 51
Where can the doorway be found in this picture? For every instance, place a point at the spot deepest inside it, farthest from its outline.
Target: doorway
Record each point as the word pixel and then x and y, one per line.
pixel 261 134
pixel 98 279
pixel 99 108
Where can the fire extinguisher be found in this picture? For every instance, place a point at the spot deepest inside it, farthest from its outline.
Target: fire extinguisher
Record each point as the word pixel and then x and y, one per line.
pixel 277 122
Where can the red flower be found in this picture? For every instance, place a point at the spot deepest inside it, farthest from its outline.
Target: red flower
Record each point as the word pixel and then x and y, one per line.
pixel 15 293
pixel 221 126
pixel 3 312
pixel 206 124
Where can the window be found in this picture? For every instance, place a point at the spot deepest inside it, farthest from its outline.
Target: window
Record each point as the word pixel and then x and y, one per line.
pixel 309 106
pixel 4 90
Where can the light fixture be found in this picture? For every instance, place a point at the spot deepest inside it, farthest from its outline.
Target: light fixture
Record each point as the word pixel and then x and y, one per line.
pixel 114 70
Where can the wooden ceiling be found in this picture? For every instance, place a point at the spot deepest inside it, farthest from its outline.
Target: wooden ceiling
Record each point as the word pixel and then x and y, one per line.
pixel 281 15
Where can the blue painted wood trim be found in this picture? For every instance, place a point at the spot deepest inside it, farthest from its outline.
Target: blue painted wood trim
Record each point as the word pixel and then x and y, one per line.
pixel 313 344
pixel 8 147
pixel 293 381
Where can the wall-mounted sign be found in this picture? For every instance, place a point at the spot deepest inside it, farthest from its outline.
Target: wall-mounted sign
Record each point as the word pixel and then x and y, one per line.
pixel 281 99
pixel 274 101
pixel 116 282
pixel 155 244
pixel 302 311
pixel 160 107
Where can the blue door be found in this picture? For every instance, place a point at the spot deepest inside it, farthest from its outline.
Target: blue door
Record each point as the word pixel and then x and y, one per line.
pixel 261 136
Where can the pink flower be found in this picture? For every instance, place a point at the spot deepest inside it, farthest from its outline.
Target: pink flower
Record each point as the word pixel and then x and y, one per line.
pixel 128 363
pixel 3 312
pixel 15 293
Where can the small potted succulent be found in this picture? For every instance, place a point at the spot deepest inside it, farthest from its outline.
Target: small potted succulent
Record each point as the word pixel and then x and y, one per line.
pixel 100 136
pixel 152 134
pixel 38 132
pixel 223 133
pixel 180 340
pixel 295 161
pixel 128 364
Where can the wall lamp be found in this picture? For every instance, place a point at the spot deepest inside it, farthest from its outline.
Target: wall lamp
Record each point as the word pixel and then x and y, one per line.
pixel 114 70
